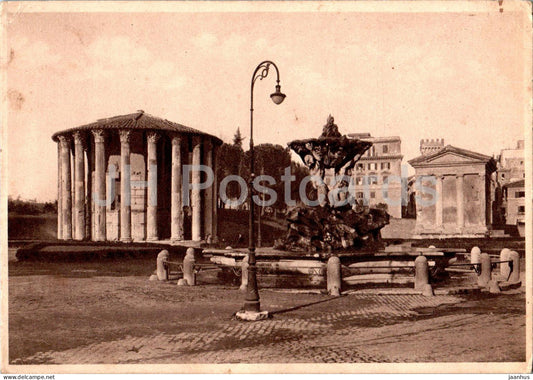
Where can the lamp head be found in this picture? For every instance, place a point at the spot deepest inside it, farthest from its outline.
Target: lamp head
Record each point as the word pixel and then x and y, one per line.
pixel 277 97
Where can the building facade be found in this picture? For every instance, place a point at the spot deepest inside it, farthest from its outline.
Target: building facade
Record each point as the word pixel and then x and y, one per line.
pixel 378 174
pixel 511 164
pixel 514 196
pixel 453 191
pixel 511 170
pixel 121 178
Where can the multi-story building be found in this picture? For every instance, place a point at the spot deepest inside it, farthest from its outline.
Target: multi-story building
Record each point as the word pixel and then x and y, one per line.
pixel 378 174
pixel 509 175
pixel 511 164
pixel 514 196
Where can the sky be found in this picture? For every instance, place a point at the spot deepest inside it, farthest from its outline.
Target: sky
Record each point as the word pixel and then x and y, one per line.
pixel 461 76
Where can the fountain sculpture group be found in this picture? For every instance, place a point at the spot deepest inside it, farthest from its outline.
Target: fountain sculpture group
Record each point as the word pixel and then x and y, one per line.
pixel 336 220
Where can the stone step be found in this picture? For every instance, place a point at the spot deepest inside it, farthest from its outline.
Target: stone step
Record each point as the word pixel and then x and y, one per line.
pixel 498 233
pixel 379 278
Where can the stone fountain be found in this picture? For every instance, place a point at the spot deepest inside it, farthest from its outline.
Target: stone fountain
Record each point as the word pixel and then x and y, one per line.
pixel 338 221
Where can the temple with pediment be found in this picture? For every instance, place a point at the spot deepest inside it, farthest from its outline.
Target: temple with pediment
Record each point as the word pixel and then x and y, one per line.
pixel 453 191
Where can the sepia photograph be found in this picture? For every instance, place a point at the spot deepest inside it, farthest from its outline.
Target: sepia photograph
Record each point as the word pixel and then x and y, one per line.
pixel 266 187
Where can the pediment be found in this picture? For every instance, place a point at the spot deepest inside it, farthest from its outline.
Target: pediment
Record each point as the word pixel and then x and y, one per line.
pixel 451 158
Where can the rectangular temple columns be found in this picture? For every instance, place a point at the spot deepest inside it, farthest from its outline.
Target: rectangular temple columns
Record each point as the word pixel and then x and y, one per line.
pixel 79 187
pixel 99 197
pixel 125 187
pixel 196 200
pixel 438 205
pixel 176 207
pixel 66 194
pixel 151 210
pixel 459 188
pixel 483 200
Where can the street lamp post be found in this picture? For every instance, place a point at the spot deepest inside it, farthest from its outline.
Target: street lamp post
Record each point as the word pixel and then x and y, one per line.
pixel 252 308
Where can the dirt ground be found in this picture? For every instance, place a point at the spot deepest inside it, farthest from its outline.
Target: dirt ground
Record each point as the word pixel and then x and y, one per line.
pixel 83 312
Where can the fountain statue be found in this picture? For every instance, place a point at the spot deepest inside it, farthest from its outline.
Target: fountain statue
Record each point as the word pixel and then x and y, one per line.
pixel 336 220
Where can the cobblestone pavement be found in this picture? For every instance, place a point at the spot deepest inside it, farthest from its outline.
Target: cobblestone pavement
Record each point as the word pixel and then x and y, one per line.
pixel 384 328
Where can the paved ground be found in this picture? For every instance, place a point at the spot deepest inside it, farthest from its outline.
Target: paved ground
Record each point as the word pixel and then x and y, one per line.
pixel 137 321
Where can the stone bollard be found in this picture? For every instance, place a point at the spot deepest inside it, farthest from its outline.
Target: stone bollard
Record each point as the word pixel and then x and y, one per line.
pixel 244 274
pixel 486 268
pixel 505 268
pixel 493 287
pixel 189 277
pixel 427 290
pixel 161 271
pixel 421 272
pixel 474 255
pixel 333 273
pixel 515 274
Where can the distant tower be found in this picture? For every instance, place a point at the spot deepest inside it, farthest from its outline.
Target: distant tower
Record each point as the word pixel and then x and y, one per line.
pixel 428 146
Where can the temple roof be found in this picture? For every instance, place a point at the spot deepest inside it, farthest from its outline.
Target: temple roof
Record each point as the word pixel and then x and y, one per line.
pixel 462 156
pixel 139 121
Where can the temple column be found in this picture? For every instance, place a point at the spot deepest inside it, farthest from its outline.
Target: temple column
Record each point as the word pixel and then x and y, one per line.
pixel 72 186
pixel 459 188
pixel 215 195
pixel 99 196
pixel 196 199
pixel 66 194
pixel 151 209
pixel 125 186
pixel 438 205
pixel 176 207
pixel 483 199
pixel 79 187
pixel 208 193
pixel 59 197
pixel 89 193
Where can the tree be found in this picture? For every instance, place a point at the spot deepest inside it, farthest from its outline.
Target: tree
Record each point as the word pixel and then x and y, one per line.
pixel 269 160
pixel 229 162
pixel 237 138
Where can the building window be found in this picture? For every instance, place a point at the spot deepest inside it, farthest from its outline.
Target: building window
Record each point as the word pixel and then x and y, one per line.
pixel 360 167
pixel 503 175
pixel 385 165
pixel 520 194
pixel 372 194
pixel 359 195
pixel 385 179
pixel 385 194
pixel 359 180
pixel 373 151
pixel 385 149
pixel 373 166
pixel 521 209
pixel 372 179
